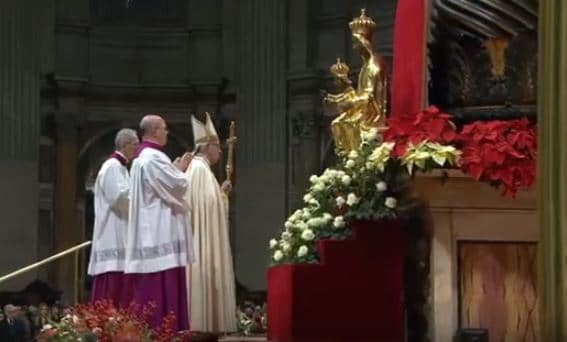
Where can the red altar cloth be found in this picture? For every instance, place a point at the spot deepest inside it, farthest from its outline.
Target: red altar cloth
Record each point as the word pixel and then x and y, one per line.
pixel 354 294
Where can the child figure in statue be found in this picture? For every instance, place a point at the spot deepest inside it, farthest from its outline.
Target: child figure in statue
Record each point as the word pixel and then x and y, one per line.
pixel 346 127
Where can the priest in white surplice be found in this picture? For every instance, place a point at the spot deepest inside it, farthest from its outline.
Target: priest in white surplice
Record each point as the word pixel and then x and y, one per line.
pixel 212 297
pixel 159 246
pixel 111 196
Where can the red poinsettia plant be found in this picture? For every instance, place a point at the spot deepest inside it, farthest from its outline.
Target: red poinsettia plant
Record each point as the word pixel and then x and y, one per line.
pixel 102 321
pixel 428 125
pixel 502 153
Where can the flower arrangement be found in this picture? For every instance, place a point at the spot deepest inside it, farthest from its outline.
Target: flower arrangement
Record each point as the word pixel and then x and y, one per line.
pixel 502 153
pixel 371 183
pixel 367 184
pixel 102 321
pixel 252 319
pixel 430 125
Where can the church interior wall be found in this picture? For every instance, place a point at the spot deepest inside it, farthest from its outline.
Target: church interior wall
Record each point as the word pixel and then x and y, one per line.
pixel 262 63
pixel 101 70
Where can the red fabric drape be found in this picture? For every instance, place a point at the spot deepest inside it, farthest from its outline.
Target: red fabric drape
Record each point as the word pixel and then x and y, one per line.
pixel 409 62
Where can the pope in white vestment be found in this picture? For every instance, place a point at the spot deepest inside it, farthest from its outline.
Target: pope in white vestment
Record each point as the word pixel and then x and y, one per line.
pixel 111 199
pixel 212 296
pixel 159 243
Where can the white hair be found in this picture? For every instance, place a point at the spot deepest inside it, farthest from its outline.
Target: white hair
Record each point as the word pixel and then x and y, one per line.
pixel 124 137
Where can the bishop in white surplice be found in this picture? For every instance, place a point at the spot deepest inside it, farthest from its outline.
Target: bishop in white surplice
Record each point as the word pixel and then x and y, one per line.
pixel 212 296
pixel 111 199
pixel 159 243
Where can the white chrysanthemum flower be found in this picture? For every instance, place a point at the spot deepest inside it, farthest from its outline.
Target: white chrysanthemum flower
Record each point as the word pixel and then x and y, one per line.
pixel 370 135
pixel 339 222
pixel 340 201
pixel 307 198
pixel 313 202
pixel 302 251
pixel 288 225
pixel 313 179
pixel 353 154
pixel 278 255
pixel 352 199
pixel 381 186
pixel 327 217
pixel 350 164
pixel 313 222
pixel 391 202
pixel 286 247
pixel 346 180
pixel 273 243
pixel 333 173
pixel 286 236
pixel 307 235
pixel 319 187
pixel 325 178
pixel 302 226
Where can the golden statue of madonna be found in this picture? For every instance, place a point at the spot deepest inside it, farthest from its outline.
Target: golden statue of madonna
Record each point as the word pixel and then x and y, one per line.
pixel 364 109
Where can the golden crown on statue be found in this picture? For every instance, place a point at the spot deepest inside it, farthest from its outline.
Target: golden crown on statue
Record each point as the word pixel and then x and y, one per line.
pixel 363 25
pixel 339 68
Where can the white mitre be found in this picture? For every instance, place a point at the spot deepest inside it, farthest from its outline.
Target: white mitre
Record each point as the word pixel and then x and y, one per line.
pixel 203 133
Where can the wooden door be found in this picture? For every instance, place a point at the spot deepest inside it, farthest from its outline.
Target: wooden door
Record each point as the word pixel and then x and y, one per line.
pixel 497 289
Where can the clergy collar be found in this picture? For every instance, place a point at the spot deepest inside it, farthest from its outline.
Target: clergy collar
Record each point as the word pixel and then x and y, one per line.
pixel 203 158
pixel 150 144
pixel 120 157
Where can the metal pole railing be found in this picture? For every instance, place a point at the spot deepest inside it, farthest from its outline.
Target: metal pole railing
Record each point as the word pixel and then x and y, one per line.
pixel 33 266
pixel 76 280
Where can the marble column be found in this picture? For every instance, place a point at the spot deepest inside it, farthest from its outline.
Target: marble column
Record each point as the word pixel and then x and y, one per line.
pixel 260 188
pixel 552 168
pixel 19 137
pixel 67 230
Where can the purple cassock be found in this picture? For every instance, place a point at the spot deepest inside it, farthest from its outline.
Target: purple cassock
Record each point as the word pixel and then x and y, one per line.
pixel 106 265
pixel 158 249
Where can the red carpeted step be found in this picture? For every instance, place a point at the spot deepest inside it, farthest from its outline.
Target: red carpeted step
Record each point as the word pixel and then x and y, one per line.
pixel 354 294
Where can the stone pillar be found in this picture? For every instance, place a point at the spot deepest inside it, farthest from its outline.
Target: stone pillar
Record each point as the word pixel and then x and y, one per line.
pixel 260 189
pixel 19 137
pixel 67 232
pixel 552 168
pixel 304 102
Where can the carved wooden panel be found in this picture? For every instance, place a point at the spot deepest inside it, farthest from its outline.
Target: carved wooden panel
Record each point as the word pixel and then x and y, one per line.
pixel 483 58
pixel 497 284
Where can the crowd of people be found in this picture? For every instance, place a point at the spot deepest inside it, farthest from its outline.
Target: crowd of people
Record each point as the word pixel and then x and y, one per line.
pixel 23 323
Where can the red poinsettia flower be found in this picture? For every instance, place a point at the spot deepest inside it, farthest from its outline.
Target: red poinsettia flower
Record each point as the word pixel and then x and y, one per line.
pixel 430 124
pixel 502 153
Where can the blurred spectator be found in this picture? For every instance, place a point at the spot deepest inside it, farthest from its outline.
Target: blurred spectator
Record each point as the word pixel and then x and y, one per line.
pixel 13 327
